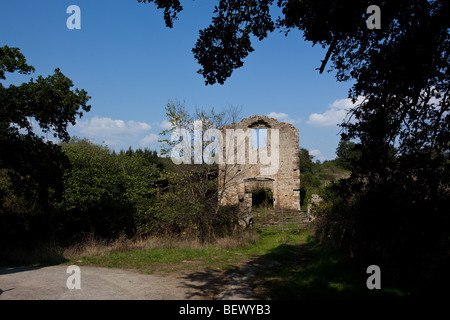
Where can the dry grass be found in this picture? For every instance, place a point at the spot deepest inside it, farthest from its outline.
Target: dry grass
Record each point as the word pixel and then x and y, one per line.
pixel 91 246
pixel 237 241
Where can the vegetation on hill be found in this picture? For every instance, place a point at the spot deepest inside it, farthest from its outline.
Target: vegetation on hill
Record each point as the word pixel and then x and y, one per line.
pixel 316 175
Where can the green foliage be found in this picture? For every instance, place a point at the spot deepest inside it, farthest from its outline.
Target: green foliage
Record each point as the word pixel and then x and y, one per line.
pixel 31 166
pixel 179 117
pixel 397 198
pixel 315 175
pixel 310 180
pixel 12 60
pixel 171 8
pixel 306 163
pixel 35 165
pixel 190 196
pixel 107 193
pixel 94 175
pixel 306 175
pixel 397 222
pixel 313 271
pixel 348 154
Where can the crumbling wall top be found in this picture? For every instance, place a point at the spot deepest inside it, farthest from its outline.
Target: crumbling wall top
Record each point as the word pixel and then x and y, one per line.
pixel 260 122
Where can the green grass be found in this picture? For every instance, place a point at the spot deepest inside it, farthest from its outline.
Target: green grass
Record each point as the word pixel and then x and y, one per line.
pixel 292 265
pixel 310 271
pixel 181 256
pixel 161 259
pixel 303 269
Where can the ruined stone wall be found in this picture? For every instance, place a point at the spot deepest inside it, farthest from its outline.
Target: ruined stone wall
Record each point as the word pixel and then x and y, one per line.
pixel 236 181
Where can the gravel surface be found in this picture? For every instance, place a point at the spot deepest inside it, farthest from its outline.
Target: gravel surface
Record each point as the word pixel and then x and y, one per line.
pixel 50 283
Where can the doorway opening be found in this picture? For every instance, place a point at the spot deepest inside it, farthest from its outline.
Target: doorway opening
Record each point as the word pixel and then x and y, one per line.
pixel 262 198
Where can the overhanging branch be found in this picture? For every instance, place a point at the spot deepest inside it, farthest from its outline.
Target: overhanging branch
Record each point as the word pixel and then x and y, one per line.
pixel 327 56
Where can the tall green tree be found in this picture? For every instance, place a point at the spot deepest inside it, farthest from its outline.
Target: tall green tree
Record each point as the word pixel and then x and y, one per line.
pixel 306 163
pixel 32 167
pixel 347 154
pixel 307 177
pixel 107 194
pixel 34 163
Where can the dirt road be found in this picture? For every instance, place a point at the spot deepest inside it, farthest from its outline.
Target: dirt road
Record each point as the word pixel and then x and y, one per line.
pixel 50 283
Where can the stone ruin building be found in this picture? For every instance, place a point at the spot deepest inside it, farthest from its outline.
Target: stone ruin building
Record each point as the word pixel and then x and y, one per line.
pixel 238 179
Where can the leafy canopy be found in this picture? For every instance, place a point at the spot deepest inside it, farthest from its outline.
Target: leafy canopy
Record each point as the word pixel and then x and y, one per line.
pixel 401 69
pixel 34 163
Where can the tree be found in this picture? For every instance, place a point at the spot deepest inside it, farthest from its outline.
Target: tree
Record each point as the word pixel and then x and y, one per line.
pixel 402 102
pixel 32 167
pixel 34 163
pixel 397 197
pixel 192 196
pixel 105 193
pixel 347 154
pixel 306 163
pixel 223 45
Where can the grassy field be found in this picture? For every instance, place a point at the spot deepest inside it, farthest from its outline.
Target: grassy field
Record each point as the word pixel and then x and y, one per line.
pixel 167 255
pixel 307 270
pixel 290 265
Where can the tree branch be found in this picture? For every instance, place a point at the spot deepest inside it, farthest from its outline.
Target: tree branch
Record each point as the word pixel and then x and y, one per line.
pixel 327 56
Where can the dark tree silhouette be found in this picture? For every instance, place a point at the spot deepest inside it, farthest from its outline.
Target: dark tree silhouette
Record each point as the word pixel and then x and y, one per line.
pixel 394 207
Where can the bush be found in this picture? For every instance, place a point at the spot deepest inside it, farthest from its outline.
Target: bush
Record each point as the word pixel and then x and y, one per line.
pixel 390 224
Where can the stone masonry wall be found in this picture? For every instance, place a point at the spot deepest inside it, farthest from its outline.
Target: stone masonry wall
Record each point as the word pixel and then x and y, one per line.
pixel 238 180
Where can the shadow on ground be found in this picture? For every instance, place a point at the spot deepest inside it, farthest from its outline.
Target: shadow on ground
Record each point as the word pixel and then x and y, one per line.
pixel 32 257
pixel 291 271
pixel 206 284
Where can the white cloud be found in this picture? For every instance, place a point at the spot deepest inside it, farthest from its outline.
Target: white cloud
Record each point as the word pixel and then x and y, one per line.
pixel 165 124
pixel 283 117
pixel 278 115
pixel 148 140
pixel 317 154
pixel 115 133
pixel 335 114
pixel 107 127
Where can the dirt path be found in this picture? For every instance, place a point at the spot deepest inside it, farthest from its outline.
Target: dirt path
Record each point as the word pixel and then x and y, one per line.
pixel 50 283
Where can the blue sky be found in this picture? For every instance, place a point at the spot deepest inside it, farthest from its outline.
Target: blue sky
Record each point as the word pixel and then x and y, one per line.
pixel 132 65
